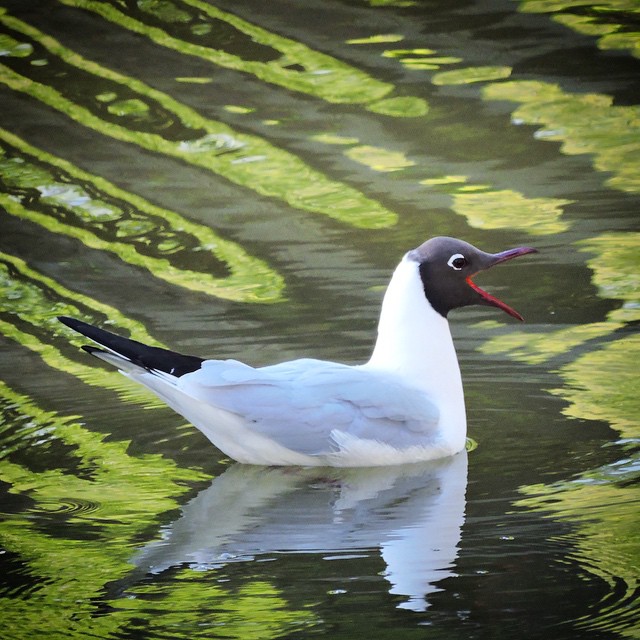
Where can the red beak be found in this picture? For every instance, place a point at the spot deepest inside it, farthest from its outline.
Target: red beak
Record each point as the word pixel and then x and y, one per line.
pixel 497 258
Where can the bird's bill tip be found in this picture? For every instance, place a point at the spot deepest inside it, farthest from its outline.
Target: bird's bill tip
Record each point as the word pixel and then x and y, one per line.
pixel 509 254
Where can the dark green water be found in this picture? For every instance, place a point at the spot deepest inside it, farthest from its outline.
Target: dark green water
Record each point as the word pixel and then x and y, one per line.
pixel 239 180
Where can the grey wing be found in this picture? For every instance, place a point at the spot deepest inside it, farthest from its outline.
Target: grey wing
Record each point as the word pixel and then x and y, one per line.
pixel 301 404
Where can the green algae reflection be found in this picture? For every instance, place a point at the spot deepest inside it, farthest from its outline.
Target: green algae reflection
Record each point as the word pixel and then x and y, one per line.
pixel 613 22
pixel 193 27
pixel 254 611
pixel 600 383
pixel 603 385
pixel 103 492
pixel 469 75
pixel 285 62
pixel 64 199
pixel 29 305
pixel 614 258
pixel 584 123
pixel 420 59
pixel 487 208
pixel 101 503
pixel 508 209
pixel 601 508
pixel 615 262
pixel 244 159
pixel 602 503
pixel 379 159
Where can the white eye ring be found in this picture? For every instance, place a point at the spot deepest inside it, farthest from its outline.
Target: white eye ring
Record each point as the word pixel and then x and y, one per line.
pixel 457 261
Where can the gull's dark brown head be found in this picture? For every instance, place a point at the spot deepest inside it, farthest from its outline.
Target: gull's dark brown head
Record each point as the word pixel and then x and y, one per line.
pixel 447 266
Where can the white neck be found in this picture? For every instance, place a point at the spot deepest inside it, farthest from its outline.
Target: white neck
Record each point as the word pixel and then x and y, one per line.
pixel 414 342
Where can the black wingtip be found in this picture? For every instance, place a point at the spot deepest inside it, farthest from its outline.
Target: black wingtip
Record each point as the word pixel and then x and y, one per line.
pixel 73 323
pixel 92 350
pixel 138 353
pixel 76 325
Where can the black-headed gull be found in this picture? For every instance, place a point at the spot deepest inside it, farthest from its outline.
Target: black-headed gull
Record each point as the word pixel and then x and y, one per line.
pixel 405 405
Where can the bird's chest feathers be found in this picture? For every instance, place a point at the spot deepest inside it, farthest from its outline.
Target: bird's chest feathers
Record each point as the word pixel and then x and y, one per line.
pixel 414 341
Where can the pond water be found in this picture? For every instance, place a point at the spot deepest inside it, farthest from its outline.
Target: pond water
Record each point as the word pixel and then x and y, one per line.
pixel 239 180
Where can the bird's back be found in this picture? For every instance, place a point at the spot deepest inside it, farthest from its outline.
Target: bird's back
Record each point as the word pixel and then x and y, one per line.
pixel 308 405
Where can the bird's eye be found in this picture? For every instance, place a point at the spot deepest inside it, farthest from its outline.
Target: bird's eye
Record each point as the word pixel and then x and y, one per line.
pixel 457 261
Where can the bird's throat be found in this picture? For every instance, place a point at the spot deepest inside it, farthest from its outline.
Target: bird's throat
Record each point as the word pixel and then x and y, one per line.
pixel 414 340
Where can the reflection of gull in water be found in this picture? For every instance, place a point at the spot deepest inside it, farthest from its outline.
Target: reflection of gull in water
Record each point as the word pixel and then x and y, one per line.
pixel 413 514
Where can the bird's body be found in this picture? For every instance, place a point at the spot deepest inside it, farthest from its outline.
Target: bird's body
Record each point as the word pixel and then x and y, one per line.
pixel 306 412
pixel 405 405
